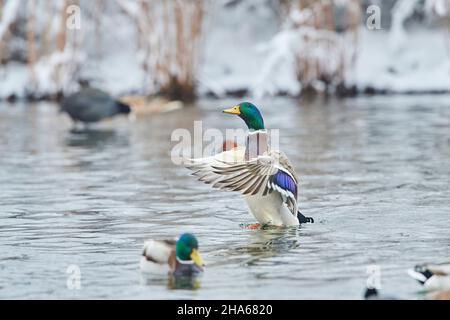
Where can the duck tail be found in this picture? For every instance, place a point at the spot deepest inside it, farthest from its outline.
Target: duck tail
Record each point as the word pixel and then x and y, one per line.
pixel 420 273
pixel 303 219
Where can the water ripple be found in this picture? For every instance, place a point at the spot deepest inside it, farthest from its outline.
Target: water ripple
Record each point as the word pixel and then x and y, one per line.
pixel 374 175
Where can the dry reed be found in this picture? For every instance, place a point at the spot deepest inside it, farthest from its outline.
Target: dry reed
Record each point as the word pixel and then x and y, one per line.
pixel 325 55
pixel 169 42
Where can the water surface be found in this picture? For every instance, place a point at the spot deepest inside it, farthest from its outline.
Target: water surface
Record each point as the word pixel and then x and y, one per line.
pixel 374 175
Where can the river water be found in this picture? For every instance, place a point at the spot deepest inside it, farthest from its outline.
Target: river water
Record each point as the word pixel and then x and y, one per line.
pixel 375 175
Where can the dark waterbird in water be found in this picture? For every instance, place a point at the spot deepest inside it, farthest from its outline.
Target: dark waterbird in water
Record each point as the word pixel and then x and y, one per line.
pixel 373 294
pixel 92 105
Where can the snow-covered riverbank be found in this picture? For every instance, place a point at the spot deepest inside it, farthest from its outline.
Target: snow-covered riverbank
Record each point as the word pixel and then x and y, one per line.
pixel 245 51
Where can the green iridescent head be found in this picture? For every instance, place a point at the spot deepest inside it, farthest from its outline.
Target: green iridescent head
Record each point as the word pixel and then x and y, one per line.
pixel 187 249
pixel 249 113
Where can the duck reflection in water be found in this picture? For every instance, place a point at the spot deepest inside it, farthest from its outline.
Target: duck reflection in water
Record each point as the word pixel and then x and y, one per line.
pixel 174 282
pixel 182 282
pixel 91 138
pixel 263 244
pixel 271 242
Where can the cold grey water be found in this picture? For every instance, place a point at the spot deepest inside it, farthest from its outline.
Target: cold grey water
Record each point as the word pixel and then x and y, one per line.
pixel 375 175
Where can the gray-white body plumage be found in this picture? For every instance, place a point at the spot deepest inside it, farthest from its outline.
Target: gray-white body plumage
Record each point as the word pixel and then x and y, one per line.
pixel 268 182
pixel 432 276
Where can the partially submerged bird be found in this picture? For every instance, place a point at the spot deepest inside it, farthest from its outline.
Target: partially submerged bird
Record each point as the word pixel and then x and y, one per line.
pixel 92 105
pixel 374 294
pixel 432 276
pixel 265 177
pixel 142 106
pixel 180 257
pixel 371 294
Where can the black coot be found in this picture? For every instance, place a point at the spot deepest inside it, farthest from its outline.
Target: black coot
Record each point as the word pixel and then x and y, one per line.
pixel 92 105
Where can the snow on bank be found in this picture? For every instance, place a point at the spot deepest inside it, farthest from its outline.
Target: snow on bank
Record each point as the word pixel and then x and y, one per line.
pixel 232 59
pixel 9 14
pixel 240 43
pixel 422 64
pixel 250 55
pixel 14 78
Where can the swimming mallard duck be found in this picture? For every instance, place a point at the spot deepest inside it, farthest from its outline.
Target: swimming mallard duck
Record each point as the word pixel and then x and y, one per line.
pixel 177 257
pixel 432 276
pixel 265 177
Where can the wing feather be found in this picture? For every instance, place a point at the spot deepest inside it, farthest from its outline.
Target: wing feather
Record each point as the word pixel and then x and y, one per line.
pixel 262 175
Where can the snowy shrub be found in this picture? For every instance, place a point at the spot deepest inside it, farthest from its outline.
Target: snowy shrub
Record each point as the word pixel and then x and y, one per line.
pixel 169 43
pixel 270 47
pixel 51 49
pixel 54 50
pixel 9 12
pixel 313 47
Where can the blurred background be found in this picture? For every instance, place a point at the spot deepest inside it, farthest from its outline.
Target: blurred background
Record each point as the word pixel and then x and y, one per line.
pixel 358 89
pixel 195 48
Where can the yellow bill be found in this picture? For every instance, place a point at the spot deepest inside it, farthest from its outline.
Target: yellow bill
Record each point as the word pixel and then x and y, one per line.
pixel 235 110
pixel 197 258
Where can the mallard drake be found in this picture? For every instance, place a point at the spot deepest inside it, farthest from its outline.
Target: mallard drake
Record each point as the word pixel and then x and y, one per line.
pixel 432 276
pixel 265 177
pixel 92 105
pixel 177 257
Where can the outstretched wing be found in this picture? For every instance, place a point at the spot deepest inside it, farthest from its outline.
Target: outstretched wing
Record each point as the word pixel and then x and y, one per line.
pixel 202 167
pixel 261 175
